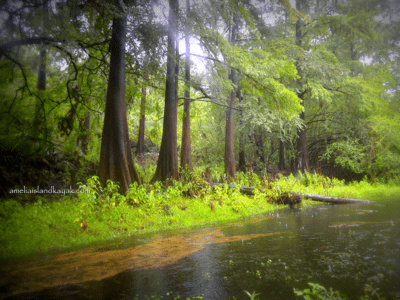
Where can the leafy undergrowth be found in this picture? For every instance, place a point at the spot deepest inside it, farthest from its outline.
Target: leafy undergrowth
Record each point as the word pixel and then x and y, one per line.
pixel 321 185
pixel 102 214
pixel 318 291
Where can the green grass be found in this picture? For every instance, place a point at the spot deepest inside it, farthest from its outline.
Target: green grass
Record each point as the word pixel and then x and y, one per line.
pixel 53 225
pixel 320 185
pixel 46 226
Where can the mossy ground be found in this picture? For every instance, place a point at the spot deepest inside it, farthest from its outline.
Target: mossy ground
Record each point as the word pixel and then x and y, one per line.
pixel 101 214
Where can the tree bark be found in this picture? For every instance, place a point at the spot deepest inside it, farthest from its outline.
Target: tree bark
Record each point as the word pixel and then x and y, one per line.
pixel 230 161
pixel 281 164
pixel 186 151
pixel 41 83
pixel 140 145
pixel 82 140
pixel 116 161
pixel 41 80
pixel 302 158
pixel 177 59
pixel 258 139
pixel 242 156
pixel 41 86
pixel 167 165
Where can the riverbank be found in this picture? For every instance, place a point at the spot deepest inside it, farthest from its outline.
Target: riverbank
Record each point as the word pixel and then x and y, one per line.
pixel 98 215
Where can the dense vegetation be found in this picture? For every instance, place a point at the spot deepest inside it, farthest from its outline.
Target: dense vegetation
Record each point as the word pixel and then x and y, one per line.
pixel 100 214
pixel 158 99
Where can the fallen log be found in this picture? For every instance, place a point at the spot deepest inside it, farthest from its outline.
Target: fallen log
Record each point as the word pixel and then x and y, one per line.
pixel 336 200
pixel 298 196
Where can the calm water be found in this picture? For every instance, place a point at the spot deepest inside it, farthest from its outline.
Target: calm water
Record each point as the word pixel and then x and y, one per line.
pixel 339 246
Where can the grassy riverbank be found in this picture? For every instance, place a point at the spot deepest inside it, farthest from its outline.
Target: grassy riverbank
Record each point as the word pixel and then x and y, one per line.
pixel 97 215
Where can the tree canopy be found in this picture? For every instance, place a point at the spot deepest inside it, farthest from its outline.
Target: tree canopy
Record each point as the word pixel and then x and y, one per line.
pixel 262 78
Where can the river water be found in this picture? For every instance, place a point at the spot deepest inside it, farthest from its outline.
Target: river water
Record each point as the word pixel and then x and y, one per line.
pixel 343 247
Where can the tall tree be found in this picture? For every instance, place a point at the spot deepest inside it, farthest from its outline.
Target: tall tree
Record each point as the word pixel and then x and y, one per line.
pixel 167 165
pixel 83 138
pixel 302 158
pixel 230 161
pixel 41 81
pixel 41 86
pixel 116 161
pixel 281 164
pixel 242 155
pixel 140 145
pixel 186 151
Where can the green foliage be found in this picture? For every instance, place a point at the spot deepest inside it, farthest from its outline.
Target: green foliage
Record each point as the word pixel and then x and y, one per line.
pixel 347 60
pixel 138 194
pixel 263 73
pixel 149 208
pixel 348 154
pixel 43 217
pixel 248 179
pixel 317 291
pixel 350 91
pixel 384 150
pixel 207 276
pixel 253 295
pixel 97 200
pixel 15 151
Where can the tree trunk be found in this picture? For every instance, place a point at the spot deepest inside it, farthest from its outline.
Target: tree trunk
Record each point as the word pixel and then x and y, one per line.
pixel 82 140
pixel 41 86
pixel 186 151
pixel 230 161
pixel 116 161
pixel 41 81
pixel 302 158
pixel 242 156
pixel 167 165
pixel 258 138
pixel 177 59
pixel 281 164
pixel 140 145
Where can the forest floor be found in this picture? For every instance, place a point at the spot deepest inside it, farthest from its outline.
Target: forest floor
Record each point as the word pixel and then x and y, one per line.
pixel 34 223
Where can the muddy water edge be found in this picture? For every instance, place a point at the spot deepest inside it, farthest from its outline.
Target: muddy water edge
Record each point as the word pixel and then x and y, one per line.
pixel 340 246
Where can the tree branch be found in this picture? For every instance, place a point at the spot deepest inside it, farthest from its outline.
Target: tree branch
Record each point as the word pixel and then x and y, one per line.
pixel 236 69
pixel 44 40
pixel 203 99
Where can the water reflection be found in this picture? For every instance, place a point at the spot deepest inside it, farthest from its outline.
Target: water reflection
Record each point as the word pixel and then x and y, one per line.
pixel 341 246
